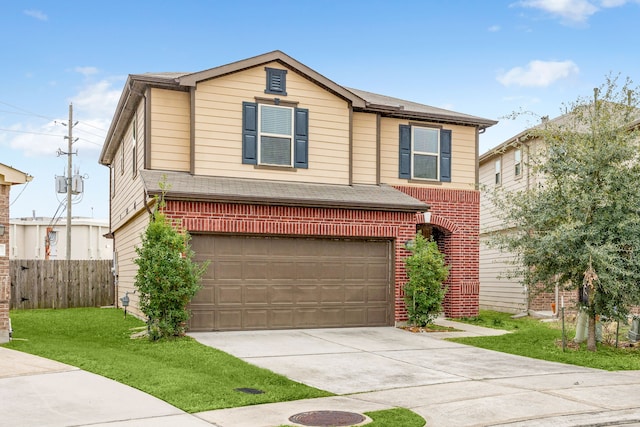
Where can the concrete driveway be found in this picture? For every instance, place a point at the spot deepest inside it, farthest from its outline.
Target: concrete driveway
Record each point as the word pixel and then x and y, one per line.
pixel 447 383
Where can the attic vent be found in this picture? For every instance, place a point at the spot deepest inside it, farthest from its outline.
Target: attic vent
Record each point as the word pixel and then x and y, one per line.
pixel 276 81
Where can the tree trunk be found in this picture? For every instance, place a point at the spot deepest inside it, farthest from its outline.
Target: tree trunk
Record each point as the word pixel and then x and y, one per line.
pixel 591 337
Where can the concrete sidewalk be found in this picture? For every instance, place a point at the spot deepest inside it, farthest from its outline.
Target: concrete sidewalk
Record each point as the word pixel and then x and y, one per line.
pixel 40 392
pixel 447 383
pixel 368 368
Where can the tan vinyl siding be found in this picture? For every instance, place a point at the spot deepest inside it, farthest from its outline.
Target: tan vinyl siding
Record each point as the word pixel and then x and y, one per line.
pixel 129 192
pixel 218 127
pixel 496 291
pixel 364 148
pixel 127 239
pixel 463 155
pixel 170 130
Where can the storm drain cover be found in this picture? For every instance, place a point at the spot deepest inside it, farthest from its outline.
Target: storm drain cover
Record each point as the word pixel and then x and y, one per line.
pixel 249 390
pixel 327 418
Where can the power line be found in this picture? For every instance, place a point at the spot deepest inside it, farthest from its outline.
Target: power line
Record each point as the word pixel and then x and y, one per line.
pixel 30 132
pixel 26 111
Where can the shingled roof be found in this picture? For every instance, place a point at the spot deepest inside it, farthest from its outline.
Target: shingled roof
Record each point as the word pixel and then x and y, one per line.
pixel 184 186
pixel 359 99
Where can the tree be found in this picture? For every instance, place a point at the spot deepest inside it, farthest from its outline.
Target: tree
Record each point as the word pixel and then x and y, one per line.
pixel 580 227
pixel 167 278
pixel 426 270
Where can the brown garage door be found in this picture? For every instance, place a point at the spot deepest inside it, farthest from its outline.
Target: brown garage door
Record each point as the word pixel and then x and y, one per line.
pixel 279 283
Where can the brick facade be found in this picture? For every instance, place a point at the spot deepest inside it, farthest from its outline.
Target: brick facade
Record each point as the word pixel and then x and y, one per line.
pixel 5 284
pixel 455 212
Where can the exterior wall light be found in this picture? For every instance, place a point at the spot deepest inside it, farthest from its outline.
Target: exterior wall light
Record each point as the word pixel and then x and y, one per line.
pixel 1 229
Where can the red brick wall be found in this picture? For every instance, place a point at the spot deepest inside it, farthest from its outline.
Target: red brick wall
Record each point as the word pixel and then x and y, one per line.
pixel 5 285
pixel 455 209
pixel 457 213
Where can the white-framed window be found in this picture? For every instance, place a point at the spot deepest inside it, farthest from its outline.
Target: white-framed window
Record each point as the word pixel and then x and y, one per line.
pixel 425 149
pixel 517 162
pixel 498 169
pixel 275 135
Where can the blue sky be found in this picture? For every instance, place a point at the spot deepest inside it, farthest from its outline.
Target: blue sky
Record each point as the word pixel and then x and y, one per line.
pixel 486 58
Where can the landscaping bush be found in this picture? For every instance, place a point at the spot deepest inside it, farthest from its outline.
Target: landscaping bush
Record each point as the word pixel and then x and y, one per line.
pixel 167 278
pixel 424 292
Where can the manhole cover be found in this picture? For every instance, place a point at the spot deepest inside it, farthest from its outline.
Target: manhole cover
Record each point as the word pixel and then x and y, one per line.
pixel 249 390
pixel 327 418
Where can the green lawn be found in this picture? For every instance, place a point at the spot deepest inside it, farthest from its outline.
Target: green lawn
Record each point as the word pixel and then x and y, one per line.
pixel 182 372
pixel 542 340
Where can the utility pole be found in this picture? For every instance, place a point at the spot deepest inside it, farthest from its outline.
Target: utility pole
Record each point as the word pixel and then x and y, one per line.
pixel 69 178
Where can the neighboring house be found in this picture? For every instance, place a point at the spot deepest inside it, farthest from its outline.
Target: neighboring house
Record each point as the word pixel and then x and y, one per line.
pixel 45 238
pixel 506 167
pixel 302 193
pixel 8 177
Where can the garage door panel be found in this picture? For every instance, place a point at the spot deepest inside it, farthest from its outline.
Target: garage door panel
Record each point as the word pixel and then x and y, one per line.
pixel 255 319
pixel 281 318
pixel 256 270
pixel 332 294
pixel 228 295
pixel 355 272
pixel 306 294
pixel 257 282
pixel 282 270
pixel 281 294
pixel 332 271
pixel 355 294
pixel 377 316
pixel 256 295
pixel 377 294
pixel 227 320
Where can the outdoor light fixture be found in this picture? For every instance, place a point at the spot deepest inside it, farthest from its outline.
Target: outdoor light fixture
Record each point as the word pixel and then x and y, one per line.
pixel 1 229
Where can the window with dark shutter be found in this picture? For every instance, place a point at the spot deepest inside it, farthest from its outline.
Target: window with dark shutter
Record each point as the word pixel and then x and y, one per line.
pixel 249 133
pixel 276 81
pixel 275 135
pixel 445 155
pixel 425 153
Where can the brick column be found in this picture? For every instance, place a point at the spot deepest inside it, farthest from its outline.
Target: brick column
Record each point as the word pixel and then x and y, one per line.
pixel 457 214
pixel 5 282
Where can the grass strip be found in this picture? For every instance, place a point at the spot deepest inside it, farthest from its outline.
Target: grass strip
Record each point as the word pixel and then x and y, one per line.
pixel 182 372
pixel 542 340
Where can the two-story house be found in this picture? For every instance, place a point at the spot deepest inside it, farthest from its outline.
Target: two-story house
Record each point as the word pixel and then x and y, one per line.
pixel 302 193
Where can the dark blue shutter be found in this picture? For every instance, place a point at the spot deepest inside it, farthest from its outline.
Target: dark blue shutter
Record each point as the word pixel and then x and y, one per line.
pixel 301 139
pixel 405 152
pixel 445 155
pixel 250 133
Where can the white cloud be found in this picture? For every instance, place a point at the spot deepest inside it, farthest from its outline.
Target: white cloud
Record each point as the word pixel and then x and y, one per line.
pixel 86 71
pixel 539 73
pixel 576 11
pixel 37 14
pixel 93 108
pixel 494 28
pixel 573 11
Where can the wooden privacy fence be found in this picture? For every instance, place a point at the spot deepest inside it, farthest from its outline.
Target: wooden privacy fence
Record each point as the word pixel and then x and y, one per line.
pixel 61 283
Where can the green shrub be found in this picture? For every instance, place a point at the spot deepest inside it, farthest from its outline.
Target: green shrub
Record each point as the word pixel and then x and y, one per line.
pixel 167 278
pixel 424 292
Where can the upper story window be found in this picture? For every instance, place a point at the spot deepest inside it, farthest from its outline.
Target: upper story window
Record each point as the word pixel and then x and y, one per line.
pixel 276 81
pixel 275 135
pixel 498 171
pixel 425 153
pixel 517 162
